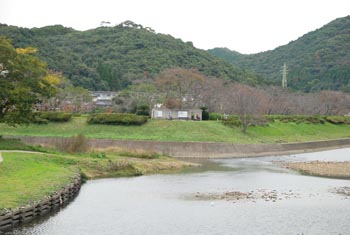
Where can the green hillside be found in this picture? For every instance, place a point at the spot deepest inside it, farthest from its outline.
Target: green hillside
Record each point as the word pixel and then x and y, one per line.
pixel 319 60
pixel 109 58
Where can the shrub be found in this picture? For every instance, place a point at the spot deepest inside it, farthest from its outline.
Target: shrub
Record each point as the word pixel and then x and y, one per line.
pixel 38 120
pixel 45 117
pixel 142 110
pixel 205 113
pixel 216 116
pixel 308 119
pixel 117 119
pixel 336 119
pixel 140 154
pixel 232 121
pixel 74 144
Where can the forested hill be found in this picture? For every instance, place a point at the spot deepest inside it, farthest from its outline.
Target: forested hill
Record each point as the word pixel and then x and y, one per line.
pixel 319 60
pixel 109 58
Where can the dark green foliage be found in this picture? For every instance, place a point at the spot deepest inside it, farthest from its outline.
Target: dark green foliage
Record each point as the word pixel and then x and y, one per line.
pixel 319 60
pixel 309 119
pixel 232 121
pixel 38 120
pixel 46 117
pixel 205 114
pixel 143 110
pixel 216 116
pixel 141 154
pixel 117 119
pixel 338 119
pixel 109 58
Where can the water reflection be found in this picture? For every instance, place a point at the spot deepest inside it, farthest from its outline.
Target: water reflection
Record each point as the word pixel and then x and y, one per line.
pixel 159 204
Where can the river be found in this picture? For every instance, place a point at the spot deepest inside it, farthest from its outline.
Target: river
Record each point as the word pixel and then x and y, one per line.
pixel 169 204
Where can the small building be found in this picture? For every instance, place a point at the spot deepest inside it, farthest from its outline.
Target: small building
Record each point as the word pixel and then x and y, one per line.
pixel 103 98
pixel 176 114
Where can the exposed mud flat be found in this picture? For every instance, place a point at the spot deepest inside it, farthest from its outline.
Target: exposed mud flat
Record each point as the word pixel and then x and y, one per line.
pixel 251 196
pixel 339 170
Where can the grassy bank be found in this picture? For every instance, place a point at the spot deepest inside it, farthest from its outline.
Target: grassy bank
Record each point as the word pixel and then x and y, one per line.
pixel 211 131
pixel 26 176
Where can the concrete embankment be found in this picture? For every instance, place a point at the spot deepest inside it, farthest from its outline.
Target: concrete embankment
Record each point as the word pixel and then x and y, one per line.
pixel 199 149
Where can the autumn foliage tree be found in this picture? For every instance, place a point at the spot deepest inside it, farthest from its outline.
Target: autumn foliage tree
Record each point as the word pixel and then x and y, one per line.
pixel 180 87
pixel 24 84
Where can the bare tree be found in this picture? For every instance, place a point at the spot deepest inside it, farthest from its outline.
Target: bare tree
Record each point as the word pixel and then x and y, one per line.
pixel 247 102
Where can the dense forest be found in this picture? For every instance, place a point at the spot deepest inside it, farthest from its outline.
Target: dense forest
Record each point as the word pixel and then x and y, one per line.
pixel 319 60
pixel 110 58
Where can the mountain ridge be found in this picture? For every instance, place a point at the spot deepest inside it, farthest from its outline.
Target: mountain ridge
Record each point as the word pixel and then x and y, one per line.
pixel 110 58
pixel 318 60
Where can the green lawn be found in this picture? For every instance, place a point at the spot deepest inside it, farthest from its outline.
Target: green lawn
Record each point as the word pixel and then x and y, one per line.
pixel 27 177
pixel 211 131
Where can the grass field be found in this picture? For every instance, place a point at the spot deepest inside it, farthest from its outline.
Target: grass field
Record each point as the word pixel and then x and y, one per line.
pixel 211 131
pixel 28 177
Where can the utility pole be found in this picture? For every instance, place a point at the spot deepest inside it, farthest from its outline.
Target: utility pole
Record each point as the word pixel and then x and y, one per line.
pixel 284 75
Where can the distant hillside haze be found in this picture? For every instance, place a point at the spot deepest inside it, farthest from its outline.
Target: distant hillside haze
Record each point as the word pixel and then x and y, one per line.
pixel 110 58
pixel 319 60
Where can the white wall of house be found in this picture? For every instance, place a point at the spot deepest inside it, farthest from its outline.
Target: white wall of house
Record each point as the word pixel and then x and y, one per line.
pixel 182 114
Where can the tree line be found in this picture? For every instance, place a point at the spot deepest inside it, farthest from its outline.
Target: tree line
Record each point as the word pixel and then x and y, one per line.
pixel 26 81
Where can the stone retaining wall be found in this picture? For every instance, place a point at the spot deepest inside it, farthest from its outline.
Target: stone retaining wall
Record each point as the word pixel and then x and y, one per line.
pixel 200 149
pixel 10 219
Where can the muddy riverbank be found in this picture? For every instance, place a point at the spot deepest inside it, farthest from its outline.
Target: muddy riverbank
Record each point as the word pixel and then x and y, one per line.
pixel 339 170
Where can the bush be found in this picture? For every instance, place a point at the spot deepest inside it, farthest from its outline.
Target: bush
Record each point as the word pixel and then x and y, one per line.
pixel 74 144
pixel 216 116
pixel 205 113
pixel 140 154
pixel 232 121
pixel 308 119
pixel 38 120
pixel 46 117
pixel 142 110
pixel 338 120
pixel 117 119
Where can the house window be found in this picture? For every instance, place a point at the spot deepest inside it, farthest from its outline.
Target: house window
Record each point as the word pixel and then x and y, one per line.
pixel 158 114
pixel 182 114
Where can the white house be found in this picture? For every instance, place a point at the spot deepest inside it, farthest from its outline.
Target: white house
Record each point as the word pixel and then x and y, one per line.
pixel 179 114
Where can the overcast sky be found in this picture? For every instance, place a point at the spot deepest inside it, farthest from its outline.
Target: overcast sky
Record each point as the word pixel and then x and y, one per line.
pixel 247 26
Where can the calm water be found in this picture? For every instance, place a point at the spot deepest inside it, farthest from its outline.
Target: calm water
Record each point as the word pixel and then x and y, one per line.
pixel 165 204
